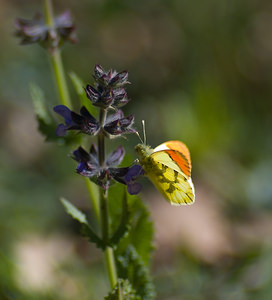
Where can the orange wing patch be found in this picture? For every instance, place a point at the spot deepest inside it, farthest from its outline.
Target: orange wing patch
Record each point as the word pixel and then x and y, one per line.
pixel 183 153
pixel 181 161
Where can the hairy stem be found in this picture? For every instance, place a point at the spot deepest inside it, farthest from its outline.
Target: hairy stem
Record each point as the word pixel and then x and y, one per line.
pixel 94 197
pixel 104 211
pixel 56 59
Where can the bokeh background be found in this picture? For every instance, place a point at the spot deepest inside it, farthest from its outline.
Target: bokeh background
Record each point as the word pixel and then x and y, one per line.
pixel 201 72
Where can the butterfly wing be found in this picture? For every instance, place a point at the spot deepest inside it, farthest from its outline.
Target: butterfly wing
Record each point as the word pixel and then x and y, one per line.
pixel 179 154
pixel 171 175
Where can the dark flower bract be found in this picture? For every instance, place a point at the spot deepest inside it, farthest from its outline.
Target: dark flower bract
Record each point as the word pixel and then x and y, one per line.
pixel 117 124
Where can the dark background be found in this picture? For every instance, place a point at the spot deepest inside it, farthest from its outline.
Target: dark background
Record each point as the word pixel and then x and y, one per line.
pixel 201 72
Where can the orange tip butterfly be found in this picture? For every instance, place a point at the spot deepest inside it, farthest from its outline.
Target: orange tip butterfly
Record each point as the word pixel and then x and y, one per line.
pixel 168 166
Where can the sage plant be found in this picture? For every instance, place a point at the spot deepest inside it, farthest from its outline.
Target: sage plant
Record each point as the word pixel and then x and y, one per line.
pixel 125 234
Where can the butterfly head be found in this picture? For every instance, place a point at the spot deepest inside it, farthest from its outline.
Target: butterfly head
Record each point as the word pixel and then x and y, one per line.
pixel 143 151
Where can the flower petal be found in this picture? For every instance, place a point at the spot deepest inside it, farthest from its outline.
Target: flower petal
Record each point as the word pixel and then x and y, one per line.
pixel 119 126
pixel 119 79
pixel 81 155
pixel 61 130
pixel 65 112
pixel 134 172
pixel 118 115
pixel 86 171
pixel 134 188
pixel 92 93
pixel 98 71
pixel 116 157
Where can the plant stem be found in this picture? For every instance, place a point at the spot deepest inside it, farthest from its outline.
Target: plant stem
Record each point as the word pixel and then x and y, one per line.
pixel 60 78
pixel 59 73
pixel 104 211
pixel 94 197
pixel 103 214
pixel 57 60
pixel 109 255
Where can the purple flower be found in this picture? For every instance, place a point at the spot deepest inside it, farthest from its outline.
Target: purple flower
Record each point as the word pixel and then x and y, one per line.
pixel 117 124
pixel 84 122
pixel 37 31
pixel 89 166
pixel 88 162
pixel 65 27
pixel 130 178
pixel 116 157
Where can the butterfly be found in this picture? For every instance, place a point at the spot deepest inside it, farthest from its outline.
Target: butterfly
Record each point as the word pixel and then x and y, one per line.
pixel 168 166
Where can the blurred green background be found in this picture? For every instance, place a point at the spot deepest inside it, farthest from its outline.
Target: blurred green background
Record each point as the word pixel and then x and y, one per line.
pixel 201 72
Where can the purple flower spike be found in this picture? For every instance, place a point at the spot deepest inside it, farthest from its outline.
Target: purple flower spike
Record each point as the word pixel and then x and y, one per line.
pixel 108 90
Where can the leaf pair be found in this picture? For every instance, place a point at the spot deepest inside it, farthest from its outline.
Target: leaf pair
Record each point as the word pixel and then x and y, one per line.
pixel 131 240
pixel 87 231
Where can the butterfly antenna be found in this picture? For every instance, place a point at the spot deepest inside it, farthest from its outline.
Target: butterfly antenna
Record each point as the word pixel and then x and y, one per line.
pixel 138 135
pixel 143 123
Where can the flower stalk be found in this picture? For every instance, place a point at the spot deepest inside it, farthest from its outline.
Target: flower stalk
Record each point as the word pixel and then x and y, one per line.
pixel 109 255
pixel 99 168
pixel 56 59
pixel 103 214
pixel 95 165
pixel 104 211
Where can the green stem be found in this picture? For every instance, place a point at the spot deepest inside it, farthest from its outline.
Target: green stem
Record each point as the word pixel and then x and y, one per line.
pixel 104 210
pixel 60 78
pixel 94 197
pixel 57 60
pixel 103 214
pixel 109 255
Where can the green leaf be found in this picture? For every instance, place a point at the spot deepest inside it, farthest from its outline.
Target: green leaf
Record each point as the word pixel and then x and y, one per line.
pixel 124 225
pixel 39 103
pixel 74 212
pixel 134 248
pixel 86 229
pixel 79 88
pixel 122 291
pixel 131 267
pixel 47 126
pixel 140 233
pixel 89 233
